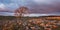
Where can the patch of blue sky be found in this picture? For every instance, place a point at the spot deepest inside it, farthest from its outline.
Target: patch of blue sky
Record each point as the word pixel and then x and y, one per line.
pixel 6 1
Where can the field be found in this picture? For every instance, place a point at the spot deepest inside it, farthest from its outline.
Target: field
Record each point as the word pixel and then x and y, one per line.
pixel 30 23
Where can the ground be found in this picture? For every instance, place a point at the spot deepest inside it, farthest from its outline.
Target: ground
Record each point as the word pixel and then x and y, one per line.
pixel 29 23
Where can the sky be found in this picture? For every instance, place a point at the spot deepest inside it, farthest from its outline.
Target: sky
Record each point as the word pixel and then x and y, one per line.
pixel 35 6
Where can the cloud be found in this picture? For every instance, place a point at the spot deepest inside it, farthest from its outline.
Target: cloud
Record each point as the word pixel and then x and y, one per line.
pixel 36 6
pixel 12 6
pixel 45 1
pixel 6 14
pixel 2 6
pixel 40 1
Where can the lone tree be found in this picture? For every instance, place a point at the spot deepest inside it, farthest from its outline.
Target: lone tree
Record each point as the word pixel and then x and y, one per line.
pixel 20 12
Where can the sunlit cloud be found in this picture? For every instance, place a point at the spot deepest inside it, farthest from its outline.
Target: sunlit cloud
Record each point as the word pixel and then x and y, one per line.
pixel 2 6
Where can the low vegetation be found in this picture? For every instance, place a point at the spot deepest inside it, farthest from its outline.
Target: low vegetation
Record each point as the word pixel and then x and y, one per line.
pixel 29 23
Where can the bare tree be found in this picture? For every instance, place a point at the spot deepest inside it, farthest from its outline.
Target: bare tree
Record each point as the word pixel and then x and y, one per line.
pixel 21 11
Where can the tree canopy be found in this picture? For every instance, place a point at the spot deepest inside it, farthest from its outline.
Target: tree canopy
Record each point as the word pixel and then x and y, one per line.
pixel 21 11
